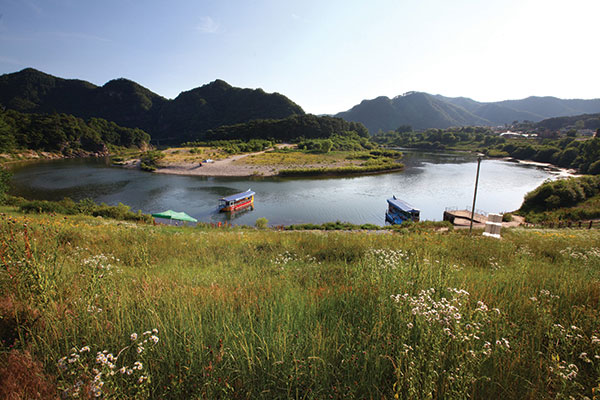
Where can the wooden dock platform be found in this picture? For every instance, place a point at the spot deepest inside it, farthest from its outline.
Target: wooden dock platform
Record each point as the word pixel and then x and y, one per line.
pixel 463 217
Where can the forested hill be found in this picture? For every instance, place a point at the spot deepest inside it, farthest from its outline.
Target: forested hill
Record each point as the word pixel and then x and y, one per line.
pixel 130 104
pixel 65 134
pixel 423 111
pixel 292 128
pixel 584 121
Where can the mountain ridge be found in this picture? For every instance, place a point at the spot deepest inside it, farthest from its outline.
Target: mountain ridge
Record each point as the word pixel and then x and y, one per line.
pixel 129 104
pixel 422 110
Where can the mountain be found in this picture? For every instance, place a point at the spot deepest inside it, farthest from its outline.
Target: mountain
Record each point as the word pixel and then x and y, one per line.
pixel 132 105
pixel 419 110
pixel 423 111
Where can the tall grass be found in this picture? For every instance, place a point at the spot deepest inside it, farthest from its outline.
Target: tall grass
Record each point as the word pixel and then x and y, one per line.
pixel 246 313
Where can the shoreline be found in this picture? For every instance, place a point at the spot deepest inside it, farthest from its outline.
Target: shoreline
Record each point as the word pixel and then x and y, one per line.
pixel 553 169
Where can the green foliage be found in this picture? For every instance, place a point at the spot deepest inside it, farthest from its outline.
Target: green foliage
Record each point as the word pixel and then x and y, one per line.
pixel 438 138
pixel 566 152
pixel 233 146
pixel 64 133
pixel 85 207
pixel 149 160
pixel 369 168
pixel 345 141
pixel 128 104
pixel 561 193
pixel 294 128
pixel 5 177
pixel 261 223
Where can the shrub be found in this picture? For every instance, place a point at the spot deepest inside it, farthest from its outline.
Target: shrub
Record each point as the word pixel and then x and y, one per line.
pixel 261 223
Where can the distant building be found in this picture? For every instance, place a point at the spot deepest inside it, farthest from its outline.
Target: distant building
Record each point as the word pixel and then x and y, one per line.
pixel 517 135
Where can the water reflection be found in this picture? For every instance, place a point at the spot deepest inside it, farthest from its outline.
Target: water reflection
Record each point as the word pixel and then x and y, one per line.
pixel 430 182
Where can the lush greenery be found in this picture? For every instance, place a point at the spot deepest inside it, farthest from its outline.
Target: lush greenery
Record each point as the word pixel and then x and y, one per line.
pixel 345 170
pixel 570 199
pixel 129 104
pixel 294 128
pixel 84 207
pixel 347 226
pixel 584 121
pixel 568 152
pixel 583 155
pixel 5 177
pixel 476 138
pixel 149 160
pixel 234 313
pixel 64 133
pixel 233 146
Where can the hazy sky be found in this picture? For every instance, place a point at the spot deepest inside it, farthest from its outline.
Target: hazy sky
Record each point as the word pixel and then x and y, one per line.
pixel 326 55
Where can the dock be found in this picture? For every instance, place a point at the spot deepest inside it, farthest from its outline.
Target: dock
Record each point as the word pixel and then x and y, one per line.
pixel 463 217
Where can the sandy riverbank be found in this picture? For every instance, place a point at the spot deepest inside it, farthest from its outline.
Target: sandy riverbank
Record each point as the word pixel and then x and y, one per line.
pixel 230 166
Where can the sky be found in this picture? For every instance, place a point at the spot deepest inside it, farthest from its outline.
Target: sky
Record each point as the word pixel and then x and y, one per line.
pixel 325 55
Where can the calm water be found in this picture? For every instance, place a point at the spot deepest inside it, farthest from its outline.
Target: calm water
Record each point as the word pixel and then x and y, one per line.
pixel 430 182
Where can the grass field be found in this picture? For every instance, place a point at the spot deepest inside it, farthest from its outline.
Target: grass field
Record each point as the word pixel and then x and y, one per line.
pixel 91 306
pixel 299 159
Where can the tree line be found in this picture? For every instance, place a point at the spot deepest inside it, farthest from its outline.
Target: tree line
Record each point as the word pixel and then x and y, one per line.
pixel 569 152
pixel 64 133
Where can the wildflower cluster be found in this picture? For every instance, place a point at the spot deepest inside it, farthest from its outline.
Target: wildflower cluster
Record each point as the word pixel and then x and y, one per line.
pixel 100 374
pixel 101 265
pixel 450 329
pixel 387 259
pixel 582 255
pixel 288 257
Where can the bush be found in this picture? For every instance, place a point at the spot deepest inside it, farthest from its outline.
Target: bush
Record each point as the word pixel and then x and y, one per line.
pixel 261 223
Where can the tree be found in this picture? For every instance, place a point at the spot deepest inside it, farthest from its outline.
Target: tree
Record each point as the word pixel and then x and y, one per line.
pixel 326 145
pixel 404 129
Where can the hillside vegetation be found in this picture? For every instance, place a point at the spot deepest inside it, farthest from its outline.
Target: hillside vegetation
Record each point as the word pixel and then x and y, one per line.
pixel 129 104
pixel 571 199
pixel 95 307
pixel 64 134
pixel 294 128
pixel 580 154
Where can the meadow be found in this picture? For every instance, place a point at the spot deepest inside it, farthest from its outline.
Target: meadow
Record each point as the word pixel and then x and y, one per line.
pixel 93 307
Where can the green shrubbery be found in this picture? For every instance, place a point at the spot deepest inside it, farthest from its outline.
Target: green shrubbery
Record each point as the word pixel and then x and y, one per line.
pixel 86 206
pixel 149 160
pixel 380 167
pixel 64 133
pixel 561 193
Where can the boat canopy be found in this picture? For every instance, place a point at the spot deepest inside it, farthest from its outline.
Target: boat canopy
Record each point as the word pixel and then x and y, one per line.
pixel 239 196
pixel 402 205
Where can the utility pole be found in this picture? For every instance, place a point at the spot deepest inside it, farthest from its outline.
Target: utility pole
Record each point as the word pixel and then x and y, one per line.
pixel 475 194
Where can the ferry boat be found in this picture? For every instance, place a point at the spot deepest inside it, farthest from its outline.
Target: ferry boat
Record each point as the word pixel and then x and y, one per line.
pixel 399 211
pixel 237 201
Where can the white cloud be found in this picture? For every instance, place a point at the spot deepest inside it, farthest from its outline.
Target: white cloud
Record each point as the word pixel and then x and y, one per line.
pixel 207 25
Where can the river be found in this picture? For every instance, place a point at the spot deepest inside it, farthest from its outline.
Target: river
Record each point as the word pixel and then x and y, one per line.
pixel 431 182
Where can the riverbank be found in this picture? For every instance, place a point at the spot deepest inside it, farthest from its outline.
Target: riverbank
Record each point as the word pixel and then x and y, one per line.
pixel 283 160
pixel 33 155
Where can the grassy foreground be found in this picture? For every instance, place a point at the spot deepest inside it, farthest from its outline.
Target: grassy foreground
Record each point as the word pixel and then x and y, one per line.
pixel 94 307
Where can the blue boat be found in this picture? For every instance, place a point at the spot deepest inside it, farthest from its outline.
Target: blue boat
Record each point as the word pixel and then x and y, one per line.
pixel 399 211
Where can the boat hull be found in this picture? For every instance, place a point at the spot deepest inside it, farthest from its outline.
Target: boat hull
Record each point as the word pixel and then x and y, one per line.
pixel 238 206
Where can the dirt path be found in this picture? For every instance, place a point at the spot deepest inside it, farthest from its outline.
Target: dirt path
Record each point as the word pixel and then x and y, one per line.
pixel 224 167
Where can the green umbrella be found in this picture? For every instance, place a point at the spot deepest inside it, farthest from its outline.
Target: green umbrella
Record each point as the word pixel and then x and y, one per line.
pixel 178 216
